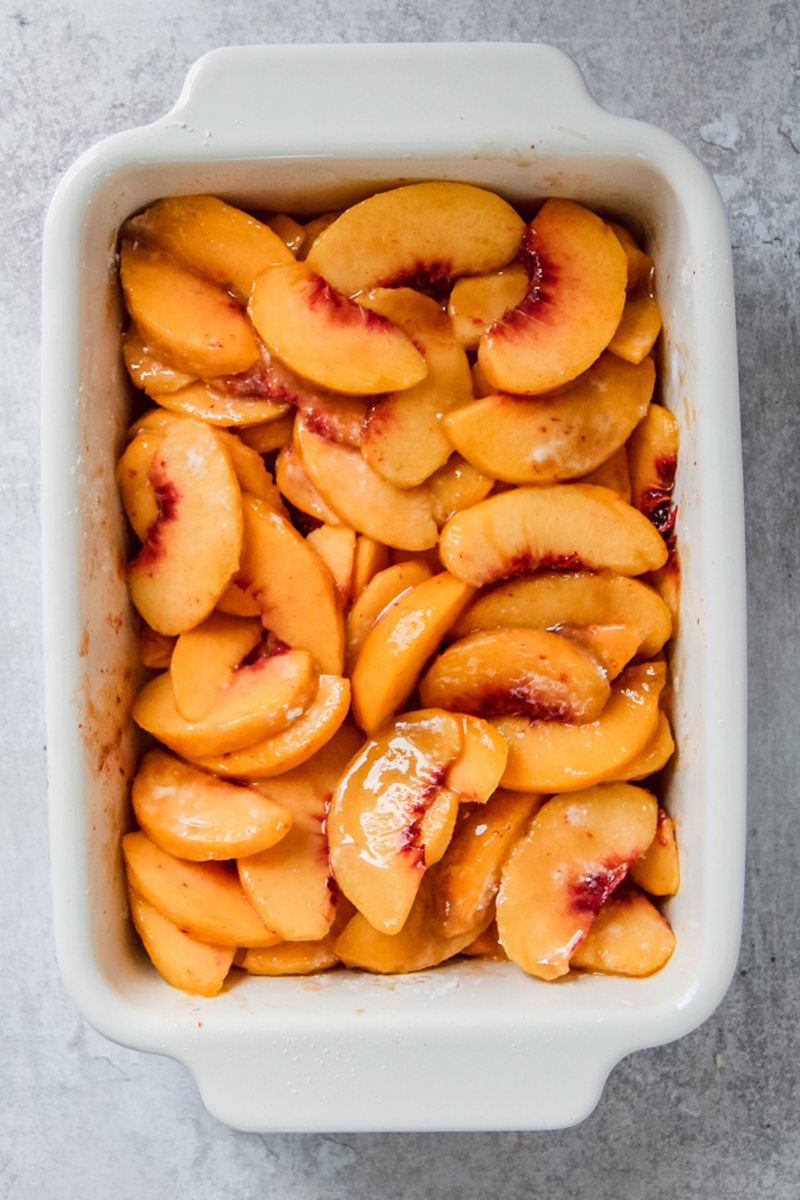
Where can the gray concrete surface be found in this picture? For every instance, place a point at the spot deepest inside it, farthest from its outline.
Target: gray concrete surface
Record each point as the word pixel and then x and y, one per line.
pixel 715 1117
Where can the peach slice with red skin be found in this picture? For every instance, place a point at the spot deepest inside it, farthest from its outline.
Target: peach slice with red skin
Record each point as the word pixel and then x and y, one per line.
pixel 551 756
pixel 658 870
pixel 192 323
pixel 517 672
pixel 398 645
pixel 477 301
pixel 133 480
pixel 614 473
pixel 327 338
pixel 259 700
pixel 192 548
pixel 205 900
pixel 469 875
pixel 336 417
pixel 574 598
pixel 291 885
pixel 146 369
pixel 382 591
pixel 653 458
pixel 204 659
pixel 629 936
pixel 655 755
pixel 563 527
pixel 208 403
pixel 198 817
pixel 578 275
pixel 403 438
pixel 578 850
pixel 213 238
pixel 295 744
pixel 185 963
pixel 558 436
pixel 362 498
pixel 417 235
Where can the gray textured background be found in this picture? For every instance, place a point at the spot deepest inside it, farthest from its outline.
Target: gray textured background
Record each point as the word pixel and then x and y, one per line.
pixel 715 1116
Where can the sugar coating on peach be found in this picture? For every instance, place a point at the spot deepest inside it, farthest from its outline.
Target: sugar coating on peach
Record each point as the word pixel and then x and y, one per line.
pixel 417 235
pixel 578 274
pixel 629 936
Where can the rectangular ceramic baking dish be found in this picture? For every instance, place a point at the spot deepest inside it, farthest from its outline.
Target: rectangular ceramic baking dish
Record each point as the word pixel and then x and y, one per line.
pixel 472 1045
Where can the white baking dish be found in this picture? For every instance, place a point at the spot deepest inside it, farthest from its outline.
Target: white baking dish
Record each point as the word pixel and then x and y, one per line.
pixel 472 1045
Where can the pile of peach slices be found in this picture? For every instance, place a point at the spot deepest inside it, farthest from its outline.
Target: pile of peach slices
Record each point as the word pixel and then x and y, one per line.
pixel 406 574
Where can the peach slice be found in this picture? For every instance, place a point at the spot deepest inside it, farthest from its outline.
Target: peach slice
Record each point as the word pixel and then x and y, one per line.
pixel 613 646
pixel 456 485
pixel 640 265
pixel 614 474
pixel 639 328
pixel 133 480
pixel 629 936
pixel 191 323
pixel 371 558
pixel 477 301
pixel 291 885
pixel 562 435
pixel 421 943
pixel 192 549
pixel 658 870
pixel 258 701
pixel 398 645
pixel 291 232
pixel 266 436
pixel 437 825
pixel 292 958
pixel 205 900
pixel 293 745
pixel 476 773
pixel 566 527
pixel 469 875
pixel 147 371
pixel 181 960
pixel 375 820
pixel 336 546
pixel 313 228
pixel 549 756
pixel 656 754
pixel 578 273
pixel 518 672
pixel 294 483
pixel 419 234
pixel 381 592
pixel 403 438
pixel 204 659
pixel 198 817
pixel 327 338
pixel 212 238
pixel 653 457
pixel 332 416
pixel 572 599
pixel 208 403
pixel 486 945
pixel 292 586
pixel 578 850
pixel 251 473
pixel 362 498
pixel 155 649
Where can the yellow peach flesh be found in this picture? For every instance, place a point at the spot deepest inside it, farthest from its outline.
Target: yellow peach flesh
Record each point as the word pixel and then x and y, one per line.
pixel 629 936
pixel 184 962
pixel 658 870
pixel 477 301
pixel 204 659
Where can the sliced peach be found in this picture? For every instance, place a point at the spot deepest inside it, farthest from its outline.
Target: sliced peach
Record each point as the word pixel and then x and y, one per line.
pixel 198 817
pixel 133 480
pixel 294 483
pixel 578 850
pixel 654 756
pixel 327 338
pixel 629 936
pixel 191 323
pixel 155 649
pixel 658 870
pixel 667 580
pixel 205 900
pixel 291 885
pixel 313 228
pixel 551 756
pixel 419 234
pixel 253 476
pixel 437 825
pixel 204 659
pixel 292 958
pixel 371 558
pixel 567 526
pixel 184 962
pixel 613 646
pixel 613 473
pixel 258 701
pixel 291 232
pixel 382 591
pixel 332 416
pixel 336 546
pixel 639 328
pixel 266 436
pixel 477 301
pixel 292 586
pixel 572 599
pixel 293 745
pixel 578 274
pixel 403 437
pixel 146 370
pixel 486 945
pixel 456 485
pixel 480 766
pixel 469 875
pixel 480 384
pixel 398 645
pixel 208 403
pixel 420 943
pixel 559 436
pixel 375 821
pixel 640 265
pixel 519 672
pixel 364 499
pixel 212 238
pixel 192 549
pixel 653 457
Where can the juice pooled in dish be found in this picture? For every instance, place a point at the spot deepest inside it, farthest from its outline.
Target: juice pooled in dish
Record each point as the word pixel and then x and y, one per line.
pixel 404 574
